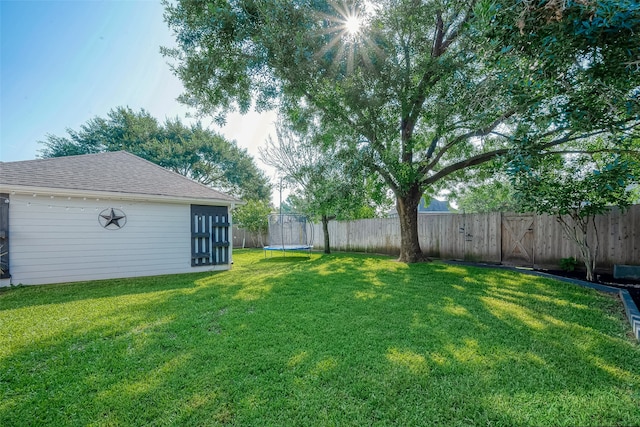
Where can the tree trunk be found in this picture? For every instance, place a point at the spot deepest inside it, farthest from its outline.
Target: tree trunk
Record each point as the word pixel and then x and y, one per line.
pixel 325 231
pixel 589 250
pixel 577 231
pixel 407 207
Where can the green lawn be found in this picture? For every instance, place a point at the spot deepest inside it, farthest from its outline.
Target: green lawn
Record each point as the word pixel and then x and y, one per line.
pixel 334 340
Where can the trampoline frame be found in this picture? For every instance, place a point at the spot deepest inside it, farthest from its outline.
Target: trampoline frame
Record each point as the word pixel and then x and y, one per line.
pixel 288 248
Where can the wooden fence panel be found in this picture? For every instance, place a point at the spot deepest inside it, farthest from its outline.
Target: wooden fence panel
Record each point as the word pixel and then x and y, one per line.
pixel 617 234
pixel 246 239
pixel 482 237
pixel 619 237
pixel 613 233
pixel 377 235
pixel 439 235
pixel 548 239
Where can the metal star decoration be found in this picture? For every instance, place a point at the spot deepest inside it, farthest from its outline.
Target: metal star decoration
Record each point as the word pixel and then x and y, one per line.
pixel 109 217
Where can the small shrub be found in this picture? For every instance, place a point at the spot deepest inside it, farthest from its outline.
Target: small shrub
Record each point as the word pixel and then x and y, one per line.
pixel 568 264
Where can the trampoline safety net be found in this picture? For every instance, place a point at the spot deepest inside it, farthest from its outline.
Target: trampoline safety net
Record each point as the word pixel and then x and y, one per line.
pixel 289 232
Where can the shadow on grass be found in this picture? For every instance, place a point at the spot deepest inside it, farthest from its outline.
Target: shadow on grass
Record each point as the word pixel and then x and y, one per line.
pixel 340 339
pixel 25 296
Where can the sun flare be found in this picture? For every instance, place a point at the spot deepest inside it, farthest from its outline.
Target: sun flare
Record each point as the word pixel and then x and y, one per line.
pixel 347 34
pixel 353 24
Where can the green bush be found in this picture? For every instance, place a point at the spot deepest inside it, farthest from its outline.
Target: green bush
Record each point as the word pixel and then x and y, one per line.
pixel 568 264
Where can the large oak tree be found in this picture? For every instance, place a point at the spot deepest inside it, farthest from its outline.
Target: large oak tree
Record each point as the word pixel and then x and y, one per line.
pixel 421 92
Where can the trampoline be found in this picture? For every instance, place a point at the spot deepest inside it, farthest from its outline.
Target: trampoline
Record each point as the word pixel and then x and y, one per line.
pixel 289 232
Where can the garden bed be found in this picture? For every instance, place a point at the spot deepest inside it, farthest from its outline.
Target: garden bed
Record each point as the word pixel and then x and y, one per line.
pixel 632 286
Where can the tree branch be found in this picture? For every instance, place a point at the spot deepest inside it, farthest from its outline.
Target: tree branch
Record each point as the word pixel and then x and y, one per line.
pixel 437 39
pixel 477 133
pixel 471 161
pixel 439 47
pixel 602 150
pixel 454 34
pixel 490 155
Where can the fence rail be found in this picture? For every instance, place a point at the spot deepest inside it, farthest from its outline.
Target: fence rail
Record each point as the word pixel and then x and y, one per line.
pixel 515 239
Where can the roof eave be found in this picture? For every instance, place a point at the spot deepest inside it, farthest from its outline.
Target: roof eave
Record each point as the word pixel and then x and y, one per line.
pixel 67 192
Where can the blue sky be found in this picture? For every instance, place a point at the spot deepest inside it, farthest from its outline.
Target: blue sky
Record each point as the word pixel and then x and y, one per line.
pixel 65 62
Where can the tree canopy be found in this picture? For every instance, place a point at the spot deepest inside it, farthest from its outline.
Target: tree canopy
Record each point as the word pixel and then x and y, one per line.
pixel 190 150
pixel 421 91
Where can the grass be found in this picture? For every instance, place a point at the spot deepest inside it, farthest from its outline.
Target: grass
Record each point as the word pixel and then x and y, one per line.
pixel 333 340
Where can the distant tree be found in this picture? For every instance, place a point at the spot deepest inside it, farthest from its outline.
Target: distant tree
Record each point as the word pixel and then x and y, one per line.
pixel 253 217
pixel 192 151
pixel 324 185
pixel 73 145
pixel 209 158
pixel 575 188
pixel 123 129
pixel 291 204
pixel 495 194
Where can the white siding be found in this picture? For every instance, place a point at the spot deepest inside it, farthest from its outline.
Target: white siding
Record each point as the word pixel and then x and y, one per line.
pixel 60 240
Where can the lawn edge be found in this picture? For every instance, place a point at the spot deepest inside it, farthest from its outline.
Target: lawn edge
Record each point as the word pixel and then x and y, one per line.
pixel 630 308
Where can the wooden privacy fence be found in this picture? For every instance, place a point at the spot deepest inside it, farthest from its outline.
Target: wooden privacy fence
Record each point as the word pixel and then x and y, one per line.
pixel 513 239
pixel 246 239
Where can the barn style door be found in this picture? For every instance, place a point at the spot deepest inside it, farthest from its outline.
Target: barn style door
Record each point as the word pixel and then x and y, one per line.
pixel 4 235
pixel 517 240
pixel 209 235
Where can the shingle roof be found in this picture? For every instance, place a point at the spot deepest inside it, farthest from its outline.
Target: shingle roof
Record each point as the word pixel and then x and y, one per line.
pixel 113 172
pixel 435 205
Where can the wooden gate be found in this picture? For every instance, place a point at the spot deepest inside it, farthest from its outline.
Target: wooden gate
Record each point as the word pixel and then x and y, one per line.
pixel 4 235
pixel 517 240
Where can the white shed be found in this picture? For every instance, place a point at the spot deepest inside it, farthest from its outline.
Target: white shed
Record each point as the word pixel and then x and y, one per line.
pixel 107 215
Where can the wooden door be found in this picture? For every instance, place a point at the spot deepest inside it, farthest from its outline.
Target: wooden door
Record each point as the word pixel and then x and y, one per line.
pixel 517 240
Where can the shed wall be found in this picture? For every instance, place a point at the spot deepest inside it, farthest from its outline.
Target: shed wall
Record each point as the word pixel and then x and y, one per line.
pixel 61 240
